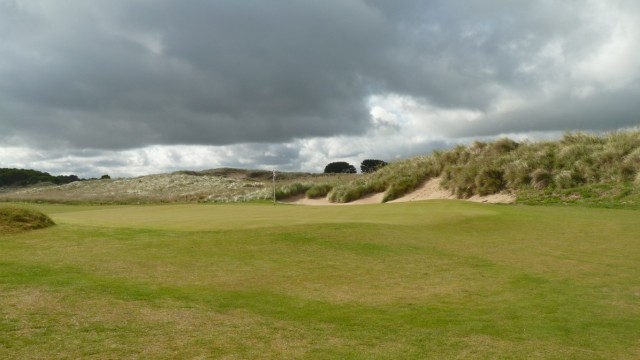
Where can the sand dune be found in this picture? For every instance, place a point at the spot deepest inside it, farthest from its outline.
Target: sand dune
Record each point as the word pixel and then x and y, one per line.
pixel 430 190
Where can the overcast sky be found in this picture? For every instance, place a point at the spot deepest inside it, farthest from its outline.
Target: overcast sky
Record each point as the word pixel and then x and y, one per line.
pixel 134 87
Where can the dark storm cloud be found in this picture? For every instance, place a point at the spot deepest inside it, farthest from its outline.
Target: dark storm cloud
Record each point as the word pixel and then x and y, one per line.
pixel 124 74
pixel 612 110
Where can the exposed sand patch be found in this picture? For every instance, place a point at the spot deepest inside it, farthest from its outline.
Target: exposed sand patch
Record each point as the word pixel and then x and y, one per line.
pixel 430 190
pixel 501 198
pixel 302 200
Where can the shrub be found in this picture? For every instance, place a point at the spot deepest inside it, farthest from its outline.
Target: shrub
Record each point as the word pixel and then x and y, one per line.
pixel 356 189
pixel 401 187
pixel 627 172
pixel 465 182
pixel 541 178
pixel 504 145
pixel 345 194
pixel 581 138
pixel 586 171
pixel 489 181
pixel 623 143
pixel 457 155
pixel 517 173
pixel 318 191
pixel 563 180
pixel 291 190
pixel 631 164
pixel 477 148
pixel 460 179
pixel 573 153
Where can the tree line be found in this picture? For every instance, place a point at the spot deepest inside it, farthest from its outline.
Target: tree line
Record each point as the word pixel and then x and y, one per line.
pixel 343 167
pixel 24 177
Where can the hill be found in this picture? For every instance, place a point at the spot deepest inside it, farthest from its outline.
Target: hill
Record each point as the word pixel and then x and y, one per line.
pixel 216 185
pixel 580 168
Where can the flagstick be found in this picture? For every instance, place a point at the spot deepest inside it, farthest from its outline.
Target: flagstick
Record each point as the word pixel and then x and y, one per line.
pixel 274 187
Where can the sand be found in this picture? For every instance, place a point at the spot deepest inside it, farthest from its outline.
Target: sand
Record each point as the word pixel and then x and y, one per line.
pixel 430 190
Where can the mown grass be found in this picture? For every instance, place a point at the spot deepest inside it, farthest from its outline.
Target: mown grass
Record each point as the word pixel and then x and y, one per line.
pixel 415 280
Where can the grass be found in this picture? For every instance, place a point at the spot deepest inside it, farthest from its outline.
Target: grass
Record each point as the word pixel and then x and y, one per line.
pixel 16 219
pixel 440 279
pixel 531 170
pixel 575 169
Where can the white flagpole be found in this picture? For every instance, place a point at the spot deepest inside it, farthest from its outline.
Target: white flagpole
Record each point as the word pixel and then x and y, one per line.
pixel 274 187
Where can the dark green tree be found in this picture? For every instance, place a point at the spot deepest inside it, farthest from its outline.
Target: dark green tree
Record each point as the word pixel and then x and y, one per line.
pixel 340 167
pixel 371 165
pixel 25 177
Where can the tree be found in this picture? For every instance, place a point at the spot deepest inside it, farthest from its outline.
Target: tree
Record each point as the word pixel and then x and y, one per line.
pixel 371 165
pixel 66 179
pixel 105 177
pixel 340 167
pixel 26 177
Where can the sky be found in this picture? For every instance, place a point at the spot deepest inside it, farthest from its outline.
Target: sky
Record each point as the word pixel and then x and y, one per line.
pixel 137 87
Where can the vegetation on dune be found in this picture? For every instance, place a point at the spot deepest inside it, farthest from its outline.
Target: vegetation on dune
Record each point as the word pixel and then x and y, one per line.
pixel 601 170
pixel 14 220
pixel 319 190
pixel 395 179
pixel 292 189
pixel 581 167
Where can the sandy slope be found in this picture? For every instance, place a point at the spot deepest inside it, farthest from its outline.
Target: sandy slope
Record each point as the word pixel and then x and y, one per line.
pixel 430 190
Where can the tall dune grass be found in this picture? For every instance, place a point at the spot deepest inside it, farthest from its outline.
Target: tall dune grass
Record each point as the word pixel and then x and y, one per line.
pixel 578 166
pixel 395 180
pixel 577 160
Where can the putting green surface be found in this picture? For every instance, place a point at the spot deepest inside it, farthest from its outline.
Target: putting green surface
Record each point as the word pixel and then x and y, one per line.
pixel 436 279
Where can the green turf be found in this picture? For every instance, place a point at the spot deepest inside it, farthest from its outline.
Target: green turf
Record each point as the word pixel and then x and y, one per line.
pixel 441 279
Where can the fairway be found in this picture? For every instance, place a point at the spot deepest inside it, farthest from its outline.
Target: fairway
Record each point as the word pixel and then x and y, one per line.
pixel 433 279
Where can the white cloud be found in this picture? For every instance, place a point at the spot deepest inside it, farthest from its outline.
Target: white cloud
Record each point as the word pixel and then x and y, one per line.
pixel 131 88
pixel 614 64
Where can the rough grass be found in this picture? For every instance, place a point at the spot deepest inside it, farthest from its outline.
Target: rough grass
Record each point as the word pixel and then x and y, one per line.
pixel 531 171
pixel 441 279
pixel 17 219
pixel 211 186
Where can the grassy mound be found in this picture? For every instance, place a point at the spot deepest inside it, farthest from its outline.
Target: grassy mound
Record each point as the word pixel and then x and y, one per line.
pixel 14 220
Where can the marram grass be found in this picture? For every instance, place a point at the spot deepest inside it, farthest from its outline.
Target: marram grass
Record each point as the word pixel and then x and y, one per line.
pixel 576 161
pixel 440 279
